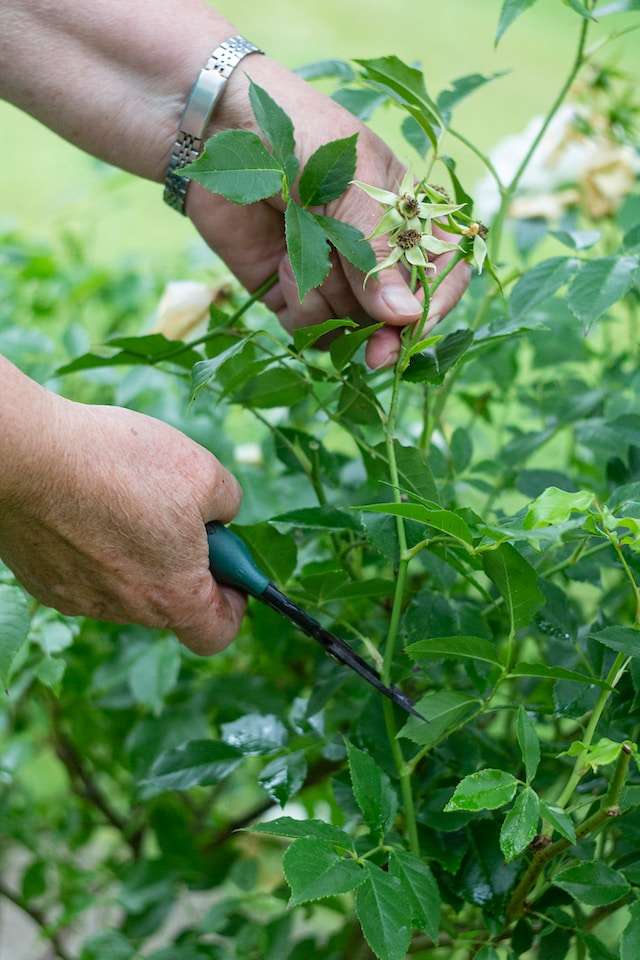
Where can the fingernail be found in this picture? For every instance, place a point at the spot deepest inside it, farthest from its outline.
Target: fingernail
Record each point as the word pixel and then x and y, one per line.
pixel 401 301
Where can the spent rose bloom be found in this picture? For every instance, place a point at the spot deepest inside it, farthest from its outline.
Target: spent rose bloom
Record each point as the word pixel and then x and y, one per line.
pixel 407 220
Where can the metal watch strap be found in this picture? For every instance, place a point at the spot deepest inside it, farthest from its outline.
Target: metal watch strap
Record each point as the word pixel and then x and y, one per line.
pixel 203 97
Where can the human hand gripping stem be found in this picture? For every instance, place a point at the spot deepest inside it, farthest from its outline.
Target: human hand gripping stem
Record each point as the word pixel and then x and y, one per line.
pixel 251 239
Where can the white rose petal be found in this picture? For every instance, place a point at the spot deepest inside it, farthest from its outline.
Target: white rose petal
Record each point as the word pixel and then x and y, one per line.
pixel 184 305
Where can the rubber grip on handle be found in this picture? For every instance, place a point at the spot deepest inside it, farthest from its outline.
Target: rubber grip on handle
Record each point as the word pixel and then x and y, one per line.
pixel 232 563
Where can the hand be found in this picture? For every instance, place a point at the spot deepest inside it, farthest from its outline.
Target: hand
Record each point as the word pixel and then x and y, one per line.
pixel 251 239
pixel 107 521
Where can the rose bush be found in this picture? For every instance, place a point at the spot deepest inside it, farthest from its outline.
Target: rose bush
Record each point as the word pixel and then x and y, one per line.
pixel 468 519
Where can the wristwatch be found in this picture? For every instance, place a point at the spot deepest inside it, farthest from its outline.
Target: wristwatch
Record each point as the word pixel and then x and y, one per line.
pixel 206 92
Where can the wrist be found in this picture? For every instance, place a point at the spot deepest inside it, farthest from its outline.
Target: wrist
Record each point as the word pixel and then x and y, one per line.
pixel 30 418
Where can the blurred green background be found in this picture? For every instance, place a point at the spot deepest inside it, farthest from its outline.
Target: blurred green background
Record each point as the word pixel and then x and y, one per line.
pixel 47 184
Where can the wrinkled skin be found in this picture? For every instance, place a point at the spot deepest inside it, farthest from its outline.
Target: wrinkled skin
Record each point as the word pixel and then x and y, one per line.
pixel 251 239
pixel 102 515
pixel 102 510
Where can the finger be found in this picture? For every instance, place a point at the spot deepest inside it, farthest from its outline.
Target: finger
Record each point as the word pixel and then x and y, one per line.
pixel 313 309
pixel 220 494
pixel 386 297
pixel 450 291
pixel 383 348
pixel 338 293
pixel 274 299
pixel 213 619
pixel 249 239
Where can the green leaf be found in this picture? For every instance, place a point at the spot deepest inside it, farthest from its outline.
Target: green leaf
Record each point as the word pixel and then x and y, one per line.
pixel 630 942
pixel 520 824
pixel 487 953
pixel 277 128
pixel 236 164
pixel 343 348
pixel 328 172
pixel 357 403
pixel 323 69
pixel 360 102
pixel 320 518
pixel 462 87
pixel 516 581
pixel 205 371
pixel 284 776
pixel 432 365
pixel 275 552
pixel 420 890
pixel 577 239
pixel 556 506
pixel 540 283
pixel 307 247
pixel 405 81
pixel 444 520
pixel 381 907
pixel 14 628
pixel 623 639
pixel 559 820
pixel 459 192
pixel 318 829
pixel 349 242
pixel 484 790
pixel 110 945
pixel 195 763
pixel 528 742
pixel 279 387
pixel 255 734
pixel 599 284
pixel 510 10
pixel 461 449
pixel 154 674
pixel 415 472
pixel 135 351
pixel 546 672
pixel 441 711
pixel 304 337
pixel 314 870
pixel 474 647
pixel 599 754
pixel 373 791
pixel 415 136
pixel 579 8
pixel 50 672
pixel 592 882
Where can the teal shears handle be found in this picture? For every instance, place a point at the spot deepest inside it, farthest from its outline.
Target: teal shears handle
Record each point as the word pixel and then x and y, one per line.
pixel 232 563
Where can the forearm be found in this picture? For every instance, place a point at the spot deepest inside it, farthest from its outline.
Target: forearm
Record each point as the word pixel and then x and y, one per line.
pixel 111 77
pixel 27 432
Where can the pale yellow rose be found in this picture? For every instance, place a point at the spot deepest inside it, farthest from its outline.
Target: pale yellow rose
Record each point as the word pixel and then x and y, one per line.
pixel 184 307
pixel 608 179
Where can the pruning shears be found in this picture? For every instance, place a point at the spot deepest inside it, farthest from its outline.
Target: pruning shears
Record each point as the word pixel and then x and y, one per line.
pixel 231 563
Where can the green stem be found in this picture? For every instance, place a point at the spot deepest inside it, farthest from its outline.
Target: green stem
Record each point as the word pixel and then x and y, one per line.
pixel 510 189
pixel 401 577
pixel 616 671
pixel 481 156
pixel 542 857
pixel 242 309
pixel 46 928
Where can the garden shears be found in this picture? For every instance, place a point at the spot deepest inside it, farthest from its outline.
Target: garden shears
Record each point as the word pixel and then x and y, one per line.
pixel 232 563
